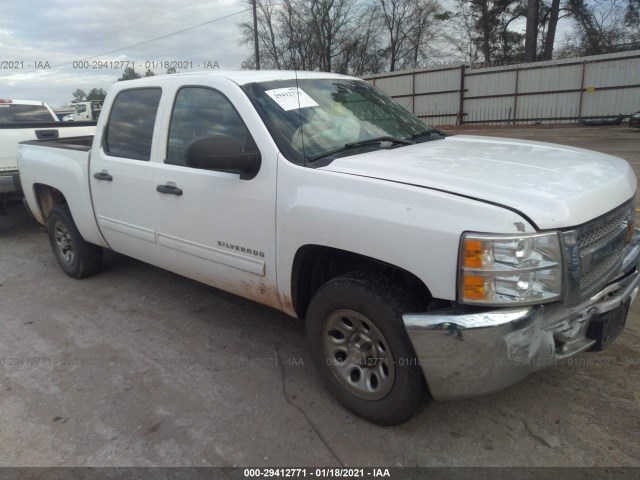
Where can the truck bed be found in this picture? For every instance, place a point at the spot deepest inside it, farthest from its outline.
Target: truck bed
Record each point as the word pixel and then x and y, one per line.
pixel 50 133
pixel 41 125
pixel 81 143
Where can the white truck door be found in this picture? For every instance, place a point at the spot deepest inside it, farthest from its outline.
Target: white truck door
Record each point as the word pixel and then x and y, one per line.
pixel 80 113
pixel 213 226
pixel 121 177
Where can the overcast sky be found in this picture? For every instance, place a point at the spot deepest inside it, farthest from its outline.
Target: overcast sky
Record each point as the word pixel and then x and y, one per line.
pixel 63 31
pixel 57 33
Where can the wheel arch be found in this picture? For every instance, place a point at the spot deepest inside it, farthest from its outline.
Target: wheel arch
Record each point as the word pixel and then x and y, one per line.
pixel 315 265
pixel 47 197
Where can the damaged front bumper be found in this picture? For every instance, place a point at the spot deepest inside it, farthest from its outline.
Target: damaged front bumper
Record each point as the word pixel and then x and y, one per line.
pixel 465 352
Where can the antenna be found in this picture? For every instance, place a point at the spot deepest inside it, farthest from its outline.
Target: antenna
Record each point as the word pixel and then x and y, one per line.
pixel 304 155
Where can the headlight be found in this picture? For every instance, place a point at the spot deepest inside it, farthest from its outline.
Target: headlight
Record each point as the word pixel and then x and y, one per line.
pixel 510 269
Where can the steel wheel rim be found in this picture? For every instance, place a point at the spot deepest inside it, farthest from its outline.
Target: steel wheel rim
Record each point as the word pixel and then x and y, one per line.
pixel 64 246
pixel 358 354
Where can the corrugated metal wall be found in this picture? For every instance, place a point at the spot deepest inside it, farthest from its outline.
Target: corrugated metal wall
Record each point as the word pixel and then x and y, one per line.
pixel 559 91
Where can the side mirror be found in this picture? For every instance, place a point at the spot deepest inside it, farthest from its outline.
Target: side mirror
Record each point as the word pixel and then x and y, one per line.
pixel 224 153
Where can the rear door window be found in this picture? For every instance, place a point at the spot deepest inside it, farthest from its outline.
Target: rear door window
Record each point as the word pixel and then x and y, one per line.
pixel 130 127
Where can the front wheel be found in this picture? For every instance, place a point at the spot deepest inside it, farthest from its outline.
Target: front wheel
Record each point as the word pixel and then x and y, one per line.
pixel 359 343
pixel 75 256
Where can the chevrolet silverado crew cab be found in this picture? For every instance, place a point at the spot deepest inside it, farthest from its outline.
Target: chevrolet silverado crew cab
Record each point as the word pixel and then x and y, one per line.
pixel 26 120
pixel 425 265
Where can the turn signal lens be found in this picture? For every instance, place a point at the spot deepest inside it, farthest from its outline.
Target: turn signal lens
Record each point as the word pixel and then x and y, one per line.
pixel 474 287
pixel 507 269
pixel 473 254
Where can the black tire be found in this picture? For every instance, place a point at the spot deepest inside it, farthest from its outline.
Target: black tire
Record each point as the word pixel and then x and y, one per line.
pixel 76 257
pixel 372 300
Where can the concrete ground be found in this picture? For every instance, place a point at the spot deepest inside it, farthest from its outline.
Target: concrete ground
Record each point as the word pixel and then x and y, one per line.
pixel 140 367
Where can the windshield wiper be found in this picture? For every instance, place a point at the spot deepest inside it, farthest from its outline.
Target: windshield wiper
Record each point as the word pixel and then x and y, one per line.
pixel 373 141
pixel 427 133
pixel 362 143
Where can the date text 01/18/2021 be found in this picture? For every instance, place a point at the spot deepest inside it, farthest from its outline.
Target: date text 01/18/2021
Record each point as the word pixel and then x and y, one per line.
pixel 147 64
pixel 316 472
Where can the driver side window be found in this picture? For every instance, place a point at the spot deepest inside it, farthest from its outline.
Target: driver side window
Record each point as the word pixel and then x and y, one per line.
pixel 201 112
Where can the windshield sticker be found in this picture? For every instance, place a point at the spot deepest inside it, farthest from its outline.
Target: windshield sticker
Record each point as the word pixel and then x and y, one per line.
pixel 291 98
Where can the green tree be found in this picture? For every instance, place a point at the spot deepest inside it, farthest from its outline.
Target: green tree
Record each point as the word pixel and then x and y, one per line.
pixel 632 21
pixel 79 95
pixel 171 71
pixel 149 73
pixel 410 27
pixel 531 35
pixel 483 28
pixel 551 16
pixel 129 74
pixel 96 94
pixel 599 27
pixel 325 35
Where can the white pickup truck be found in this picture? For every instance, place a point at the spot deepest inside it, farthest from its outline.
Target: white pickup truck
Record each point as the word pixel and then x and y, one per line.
pixel 425 265
pixel 84 112
pixel 26 120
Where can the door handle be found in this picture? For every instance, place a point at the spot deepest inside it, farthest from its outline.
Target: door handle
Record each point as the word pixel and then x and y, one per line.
pixel 169 189
pixel 103 176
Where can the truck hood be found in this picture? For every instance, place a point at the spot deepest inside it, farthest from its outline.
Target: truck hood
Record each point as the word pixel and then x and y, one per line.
pixel 554 186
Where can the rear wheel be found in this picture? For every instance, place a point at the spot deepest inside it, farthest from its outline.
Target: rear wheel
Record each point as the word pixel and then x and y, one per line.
pixel 76 257
pixel 361 348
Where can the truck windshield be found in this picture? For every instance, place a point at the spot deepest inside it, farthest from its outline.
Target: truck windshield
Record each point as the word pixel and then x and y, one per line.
pixel 17 113
pixel 316 118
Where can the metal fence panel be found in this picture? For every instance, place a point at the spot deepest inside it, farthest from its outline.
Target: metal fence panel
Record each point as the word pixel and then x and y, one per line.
pixel 395 86
pixel 441 104
pixel 489 110
pixel 548 79
pixel 560 91
pixel 490 84
pixel 438 81
pixel 548 107
pixel 614 102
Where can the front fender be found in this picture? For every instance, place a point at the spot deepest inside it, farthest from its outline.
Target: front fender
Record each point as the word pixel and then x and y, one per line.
pixel 410 227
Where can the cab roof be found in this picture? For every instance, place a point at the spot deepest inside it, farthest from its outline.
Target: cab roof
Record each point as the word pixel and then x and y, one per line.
pixel 242 77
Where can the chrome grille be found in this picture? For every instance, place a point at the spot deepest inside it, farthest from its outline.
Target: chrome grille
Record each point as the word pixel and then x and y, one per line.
pixel 600 270
pixel 595 251
pixel 610 228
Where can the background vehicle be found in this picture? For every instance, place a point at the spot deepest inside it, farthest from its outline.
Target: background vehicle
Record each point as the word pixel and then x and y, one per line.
pixel 85 112
pixel 424 265
pixel 601 122
pixel 27 120
pixel 634 120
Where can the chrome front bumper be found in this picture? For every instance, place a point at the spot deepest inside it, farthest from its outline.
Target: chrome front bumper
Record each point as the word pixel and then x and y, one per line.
pixel 465 352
